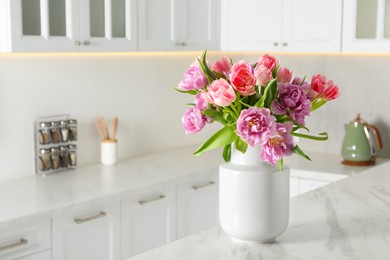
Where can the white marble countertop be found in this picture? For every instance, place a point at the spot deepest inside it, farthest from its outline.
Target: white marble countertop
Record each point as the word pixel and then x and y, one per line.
pixel 348 219
pixel 50 195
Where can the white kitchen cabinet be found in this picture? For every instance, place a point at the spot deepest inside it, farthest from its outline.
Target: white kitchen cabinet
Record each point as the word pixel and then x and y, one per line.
pixel 197 205
pixel 87 233
pixel 282 25
pixel 148 221
pixel 366 26
pixel 25 238
pixel 45 255
pixel 68 25
pixel 178 25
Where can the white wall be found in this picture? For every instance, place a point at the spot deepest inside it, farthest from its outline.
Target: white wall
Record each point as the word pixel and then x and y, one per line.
pixel 139 89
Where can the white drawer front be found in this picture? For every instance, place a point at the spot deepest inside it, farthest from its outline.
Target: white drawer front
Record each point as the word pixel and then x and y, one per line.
pixel 24 239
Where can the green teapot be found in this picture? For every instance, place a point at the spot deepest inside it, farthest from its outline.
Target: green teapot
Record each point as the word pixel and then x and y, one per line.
pixel 361 142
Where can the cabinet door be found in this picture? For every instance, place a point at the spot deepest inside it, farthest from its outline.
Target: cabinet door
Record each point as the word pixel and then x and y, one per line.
pixel 312 26
pixel 147 221
pixel 197 205
pixel 252 25
pixel 199 25
pixel 158 25
pixel 45 255
pixel 87 233
pixel 43 25
pixel 366 26
pixel 107 25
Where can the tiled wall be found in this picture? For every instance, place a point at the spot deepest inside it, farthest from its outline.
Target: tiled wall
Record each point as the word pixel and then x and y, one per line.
pixel 139 89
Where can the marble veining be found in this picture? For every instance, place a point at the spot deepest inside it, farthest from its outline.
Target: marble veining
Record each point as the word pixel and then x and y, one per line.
pixel 348 219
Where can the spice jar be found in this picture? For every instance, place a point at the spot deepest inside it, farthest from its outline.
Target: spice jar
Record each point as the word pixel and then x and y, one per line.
pixel 72 129
pixel 55 132
pixel 44 159
pixel 64 130
pixel 55 158
pixel 44 133
pixel 64 156
pixel 72 155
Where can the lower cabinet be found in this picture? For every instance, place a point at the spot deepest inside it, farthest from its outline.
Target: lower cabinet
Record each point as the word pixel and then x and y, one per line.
pixel 148 221
pixel 21 240
pixel 87 233
pixel 45 255
pixel 197 205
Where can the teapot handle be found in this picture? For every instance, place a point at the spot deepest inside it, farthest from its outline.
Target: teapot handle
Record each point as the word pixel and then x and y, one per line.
pixel 377 135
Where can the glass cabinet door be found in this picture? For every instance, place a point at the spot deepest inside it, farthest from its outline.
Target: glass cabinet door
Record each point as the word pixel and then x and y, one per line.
pixel 366 26
pixel 73 25
pixel 105 22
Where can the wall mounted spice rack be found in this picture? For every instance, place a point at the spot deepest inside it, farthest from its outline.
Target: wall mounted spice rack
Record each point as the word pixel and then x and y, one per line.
pixel 55 144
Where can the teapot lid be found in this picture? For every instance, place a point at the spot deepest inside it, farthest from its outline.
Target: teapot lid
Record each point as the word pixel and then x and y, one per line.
pixel 359 120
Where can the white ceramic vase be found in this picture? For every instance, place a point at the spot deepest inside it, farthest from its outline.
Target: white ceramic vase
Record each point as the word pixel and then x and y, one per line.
pixel 254 198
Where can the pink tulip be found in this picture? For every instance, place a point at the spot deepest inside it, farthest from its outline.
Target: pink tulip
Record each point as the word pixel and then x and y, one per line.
pixel 221 93
pixel 256 125
pixel 222 66
pixel 283 75
pixel 267 61
pixel 193 120
pixel 263 75
pixel 279 145
pixel 242 78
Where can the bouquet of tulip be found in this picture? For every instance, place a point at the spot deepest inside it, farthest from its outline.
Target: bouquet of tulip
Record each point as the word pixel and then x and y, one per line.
pixel 258 105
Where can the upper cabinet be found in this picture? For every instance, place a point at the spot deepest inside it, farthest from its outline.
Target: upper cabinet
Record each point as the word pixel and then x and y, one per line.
pixel 366 26
pixel 109 25
pixel 70 25
pixel 178 25
pixel 282 25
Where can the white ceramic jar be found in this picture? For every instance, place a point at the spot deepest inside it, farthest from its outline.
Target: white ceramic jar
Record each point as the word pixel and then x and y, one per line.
pixel 109 151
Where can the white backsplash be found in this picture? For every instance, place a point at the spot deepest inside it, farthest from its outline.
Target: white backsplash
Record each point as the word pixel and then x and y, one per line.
pixel 139 89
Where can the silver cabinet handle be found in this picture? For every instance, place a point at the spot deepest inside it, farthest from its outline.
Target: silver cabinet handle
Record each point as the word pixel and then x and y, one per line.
pixel 22 242
pixel 181 44
pixel 86 43
pixel 143 202
pixel 285 44
pixel 83 220
pixel 77 43
pixel 276 44
pixel 201 186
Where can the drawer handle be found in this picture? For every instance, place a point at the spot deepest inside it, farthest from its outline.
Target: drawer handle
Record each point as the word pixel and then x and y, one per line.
pixel 83 220
pixel 143 202
pixel 201 186
pixel 22 242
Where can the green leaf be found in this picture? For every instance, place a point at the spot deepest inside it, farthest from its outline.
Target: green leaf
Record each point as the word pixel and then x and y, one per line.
pixel 321 136
pixel 227 152
pixel 280 163
pixel 191 92
pixel 208 73
pixel 299 152
pixel 215 115
pixel 221 138
pixel 268 95
pixel 241 145
pixel 317 103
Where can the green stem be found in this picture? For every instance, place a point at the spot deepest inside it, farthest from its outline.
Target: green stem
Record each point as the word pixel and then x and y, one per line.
pixel 234 110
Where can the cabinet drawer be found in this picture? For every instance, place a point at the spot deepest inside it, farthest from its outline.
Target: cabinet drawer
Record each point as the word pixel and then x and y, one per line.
pixel 18 240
